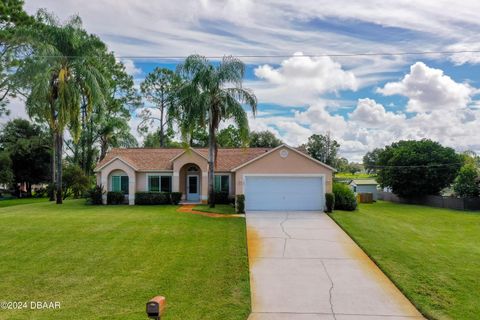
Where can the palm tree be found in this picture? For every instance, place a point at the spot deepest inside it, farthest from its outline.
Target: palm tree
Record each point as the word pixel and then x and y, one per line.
pixel 63 70
pixel 213 93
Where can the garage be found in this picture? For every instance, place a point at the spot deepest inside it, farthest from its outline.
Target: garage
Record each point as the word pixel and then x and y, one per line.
pixel 284 193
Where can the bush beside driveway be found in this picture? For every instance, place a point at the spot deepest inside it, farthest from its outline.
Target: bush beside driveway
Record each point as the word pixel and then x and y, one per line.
pixel 433 255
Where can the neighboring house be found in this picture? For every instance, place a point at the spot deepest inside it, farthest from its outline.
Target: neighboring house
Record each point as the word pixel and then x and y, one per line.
pixel 365 186
pixel 281 178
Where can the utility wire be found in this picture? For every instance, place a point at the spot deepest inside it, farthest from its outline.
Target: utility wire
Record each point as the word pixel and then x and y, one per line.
pixel 417 166
pixel 338 55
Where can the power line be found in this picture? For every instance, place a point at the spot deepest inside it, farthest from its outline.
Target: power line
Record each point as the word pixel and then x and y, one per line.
pixel 418 166
pixel 333 55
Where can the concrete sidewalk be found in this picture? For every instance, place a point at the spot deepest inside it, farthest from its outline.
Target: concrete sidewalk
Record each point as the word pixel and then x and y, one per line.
pixel 304 267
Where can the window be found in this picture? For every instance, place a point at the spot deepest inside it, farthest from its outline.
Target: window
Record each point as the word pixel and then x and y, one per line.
pixel 222 183
pixel 120 184
pixel 159 183
pixel 166 184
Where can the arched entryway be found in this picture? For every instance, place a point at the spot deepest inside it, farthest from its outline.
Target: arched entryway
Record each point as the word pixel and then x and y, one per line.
pixel 191 182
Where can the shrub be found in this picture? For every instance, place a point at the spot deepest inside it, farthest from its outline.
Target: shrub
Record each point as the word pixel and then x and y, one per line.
pixel 40 192
pixel 344 197
pixel 152 198
pixel 466 184
pixel 95 195
pixel 175 197
pixel 240 203
pixel 115 197
pixel 223 198
pixel 330 201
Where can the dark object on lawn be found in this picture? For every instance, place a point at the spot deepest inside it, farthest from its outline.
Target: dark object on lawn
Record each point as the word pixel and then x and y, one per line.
pixel 115 197
pixel 240 204
pixel 175 197
pixel 223 198
pixel 330 202
pixel 95 195
pixel 344 197
pixel 156 307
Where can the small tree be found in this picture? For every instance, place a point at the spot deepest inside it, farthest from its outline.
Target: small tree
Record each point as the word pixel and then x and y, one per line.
pixel 159 89
pixel 370 160
pixel 323 148
pixel 229 137
pixel 75 182
pixel 264 139
pixel 6 173
pixel 466 184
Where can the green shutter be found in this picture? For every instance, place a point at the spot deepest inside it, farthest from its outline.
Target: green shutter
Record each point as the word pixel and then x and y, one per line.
pixel 217 185
pixel 124 184
pixel 116 184
pixel 225 184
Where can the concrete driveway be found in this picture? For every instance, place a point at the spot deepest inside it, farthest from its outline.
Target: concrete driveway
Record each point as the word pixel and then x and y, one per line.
pixel 304 267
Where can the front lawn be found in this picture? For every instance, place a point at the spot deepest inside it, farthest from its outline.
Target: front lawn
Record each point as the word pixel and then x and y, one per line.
pixel 106 262
pixel 433 255
pixel 219 208
pixel 20 201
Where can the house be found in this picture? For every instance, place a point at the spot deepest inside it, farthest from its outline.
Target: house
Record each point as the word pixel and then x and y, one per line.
pixel 281 178
pixel 365 186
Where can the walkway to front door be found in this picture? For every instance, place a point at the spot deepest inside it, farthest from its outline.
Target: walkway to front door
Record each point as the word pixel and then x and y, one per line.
pixel 304 267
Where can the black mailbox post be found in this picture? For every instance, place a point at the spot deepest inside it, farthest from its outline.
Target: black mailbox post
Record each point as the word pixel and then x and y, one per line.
pixel 155 307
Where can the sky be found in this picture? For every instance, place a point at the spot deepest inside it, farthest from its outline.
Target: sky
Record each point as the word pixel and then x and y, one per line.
pixel 363 101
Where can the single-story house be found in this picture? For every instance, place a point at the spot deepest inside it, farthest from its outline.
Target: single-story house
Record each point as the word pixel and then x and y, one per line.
pixel 281 178
pixel 365 186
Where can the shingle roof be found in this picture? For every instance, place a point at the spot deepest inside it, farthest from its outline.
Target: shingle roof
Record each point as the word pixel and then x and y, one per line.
pixel 145 159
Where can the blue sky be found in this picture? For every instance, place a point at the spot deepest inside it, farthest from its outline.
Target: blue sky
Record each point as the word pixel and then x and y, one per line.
pixel 363 101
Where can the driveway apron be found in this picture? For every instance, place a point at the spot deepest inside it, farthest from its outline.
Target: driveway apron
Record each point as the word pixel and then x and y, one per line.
pixel 303 266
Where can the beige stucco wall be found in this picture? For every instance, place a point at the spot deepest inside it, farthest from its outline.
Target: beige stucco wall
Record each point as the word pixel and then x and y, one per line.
pixel 273 163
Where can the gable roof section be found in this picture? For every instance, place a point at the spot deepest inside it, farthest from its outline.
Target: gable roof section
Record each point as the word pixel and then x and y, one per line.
pixel 364 182
pixel 161 159
pixel 287 147
pixel 104 164
pixel 142 159
pixel 189 150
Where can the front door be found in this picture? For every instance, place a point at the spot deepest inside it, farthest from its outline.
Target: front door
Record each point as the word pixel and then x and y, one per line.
pixel 193 188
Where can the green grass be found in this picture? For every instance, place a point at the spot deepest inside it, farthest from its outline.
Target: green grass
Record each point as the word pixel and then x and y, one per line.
pixel 348 175
pixel 219 208
pixel 20 201
pixel 106 262
pixel 433 255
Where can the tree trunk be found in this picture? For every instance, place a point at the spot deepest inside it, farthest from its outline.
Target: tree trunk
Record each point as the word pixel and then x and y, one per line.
pixel 162 127
pixel 59 152
pixel 29 189
pixel 52 168
pixel 211 166
pixel 103 148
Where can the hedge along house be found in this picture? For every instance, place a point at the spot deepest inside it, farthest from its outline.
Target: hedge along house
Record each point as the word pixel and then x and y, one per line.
pixel 281 178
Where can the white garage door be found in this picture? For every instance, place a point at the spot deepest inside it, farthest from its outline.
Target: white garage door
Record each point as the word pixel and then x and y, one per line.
pixel 283 193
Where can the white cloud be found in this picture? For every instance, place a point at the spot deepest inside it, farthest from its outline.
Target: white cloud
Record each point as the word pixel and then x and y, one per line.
pixel 373 114
pixel 301 79
pixel 130 67
pixel 465 56
pixel 429 89
pixel 17 110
